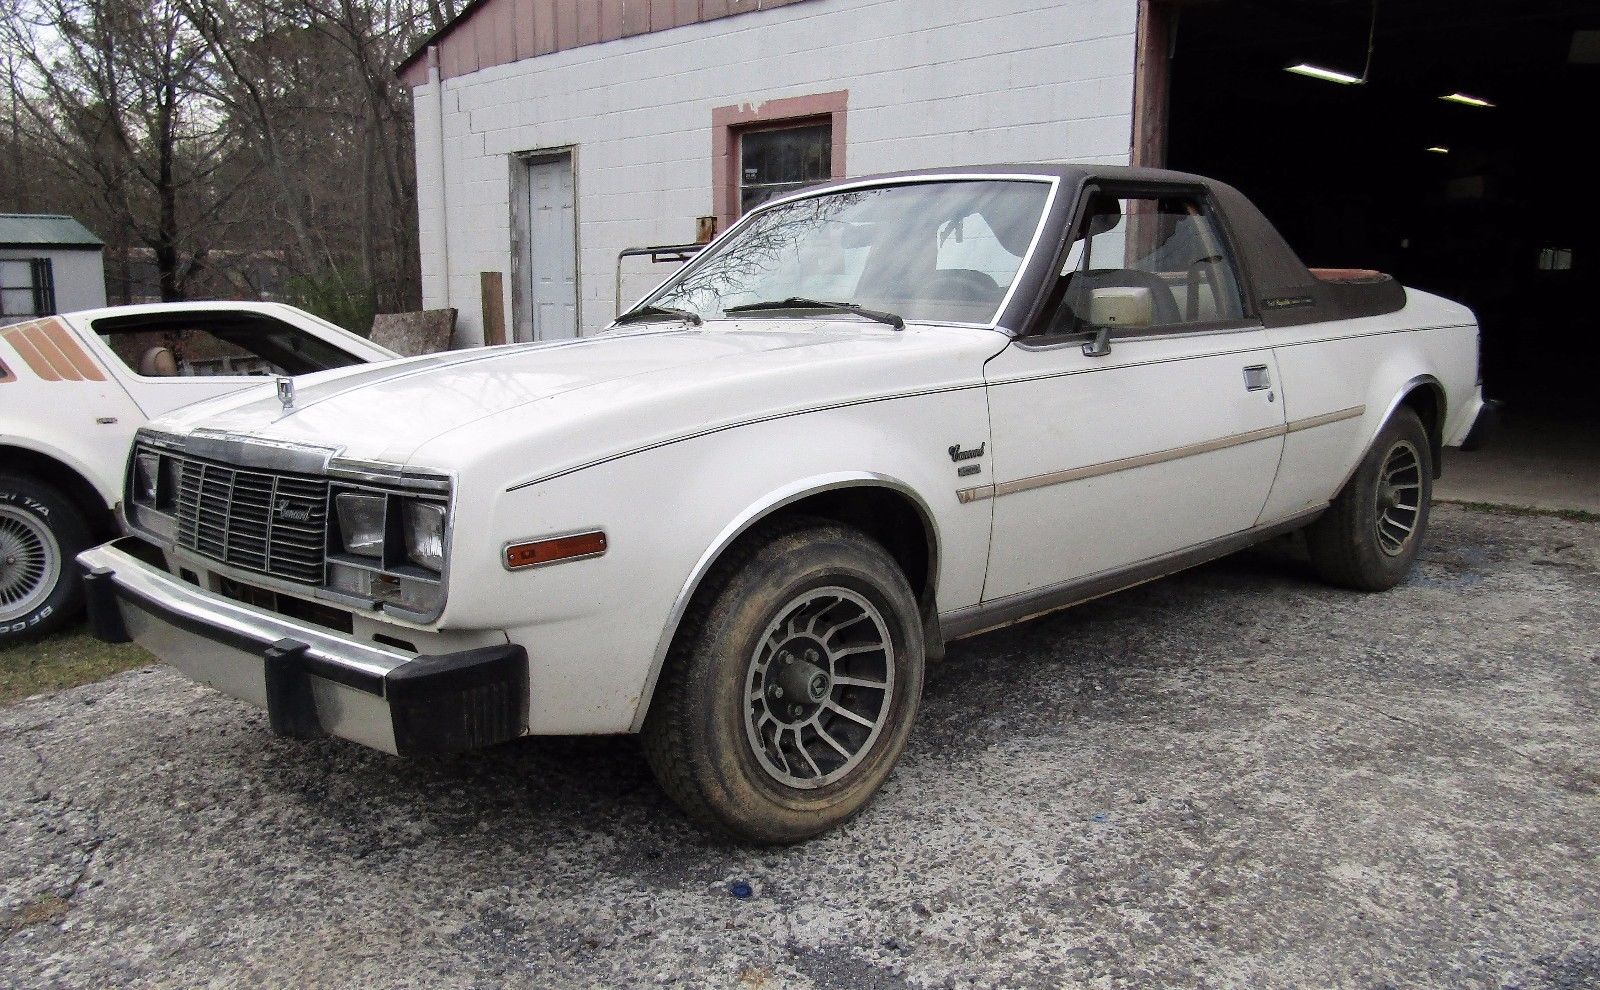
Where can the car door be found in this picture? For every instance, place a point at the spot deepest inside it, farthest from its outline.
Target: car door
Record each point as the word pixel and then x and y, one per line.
pixel 1140 417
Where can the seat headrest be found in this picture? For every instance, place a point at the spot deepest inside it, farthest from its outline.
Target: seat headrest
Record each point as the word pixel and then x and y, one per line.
pixel 1104 215
pixel 158 362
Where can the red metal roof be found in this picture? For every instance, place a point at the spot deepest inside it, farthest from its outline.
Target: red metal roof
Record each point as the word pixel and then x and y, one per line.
pixel 497 32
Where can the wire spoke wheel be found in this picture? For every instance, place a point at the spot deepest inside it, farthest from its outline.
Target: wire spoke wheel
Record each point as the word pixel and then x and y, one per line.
pixel 819 687
pixel 30 562
pixel 1399 498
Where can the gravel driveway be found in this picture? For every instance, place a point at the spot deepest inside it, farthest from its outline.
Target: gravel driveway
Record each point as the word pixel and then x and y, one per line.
pixel 1231 778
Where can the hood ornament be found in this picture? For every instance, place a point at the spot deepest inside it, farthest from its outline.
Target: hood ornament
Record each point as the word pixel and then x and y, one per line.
pixel 286 393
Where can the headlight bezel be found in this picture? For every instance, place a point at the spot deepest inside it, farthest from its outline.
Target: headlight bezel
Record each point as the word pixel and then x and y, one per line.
pixel 391 577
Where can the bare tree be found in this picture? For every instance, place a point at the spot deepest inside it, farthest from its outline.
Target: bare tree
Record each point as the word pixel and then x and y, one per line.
pixel 252 146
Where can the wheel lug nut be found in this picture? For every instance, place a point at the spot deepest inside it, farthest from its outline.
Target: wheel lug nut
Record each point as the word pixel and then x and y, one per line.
pixel 776 692
pixel 811 656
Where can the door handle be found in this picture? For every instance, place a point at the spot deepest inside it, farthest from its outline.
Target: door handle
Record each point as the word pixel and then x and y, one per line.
pixel 1256 378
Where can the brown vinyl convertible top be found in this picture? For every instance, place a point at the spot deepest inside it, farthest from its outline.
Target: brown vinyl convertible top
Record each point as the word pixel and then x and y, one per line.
pixel 1283 291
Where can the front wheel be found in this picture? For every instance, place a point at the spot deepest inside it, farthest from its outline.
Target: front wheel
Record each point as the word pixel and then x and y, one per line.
pixel 791 690
pixel 1371 533
pixel 40 533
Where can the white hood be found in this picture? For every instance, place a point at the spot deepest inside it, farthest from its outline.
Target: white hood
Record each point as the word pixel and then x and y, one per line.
pixel 636 387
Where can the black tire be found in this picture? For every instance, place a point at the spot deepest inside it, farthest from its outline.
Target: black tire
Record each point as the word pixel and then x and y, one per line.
pixel 41 531
pixel 1361 542
pixel 700 734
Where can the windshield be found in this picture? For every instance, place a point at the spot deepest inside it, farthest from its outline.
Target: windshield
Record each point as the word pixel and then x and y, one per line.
pixel 935 251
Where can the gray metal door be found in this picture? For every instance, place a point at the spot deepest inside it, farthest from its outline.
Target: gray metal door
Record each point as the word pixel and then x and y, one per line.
pixel 551 252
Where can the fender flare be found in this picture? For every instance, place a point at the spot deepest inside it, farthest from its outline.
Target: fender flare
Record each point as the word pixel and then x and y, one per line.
pixel 1436 436
pixel 755 513
pixel 75 468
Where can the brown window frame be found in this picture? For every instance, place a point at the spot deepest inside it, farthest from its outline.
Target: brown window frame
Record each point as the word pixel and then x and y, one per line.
pixel 729 123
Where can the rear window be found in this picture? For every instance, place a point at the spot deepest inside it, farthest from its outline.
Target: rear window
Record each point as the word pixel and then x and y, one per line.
pixel 200 345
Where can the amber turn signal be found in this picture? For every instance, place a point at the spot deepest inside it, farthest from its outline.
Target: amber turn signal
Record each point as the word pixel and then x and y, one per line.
pixel 520 555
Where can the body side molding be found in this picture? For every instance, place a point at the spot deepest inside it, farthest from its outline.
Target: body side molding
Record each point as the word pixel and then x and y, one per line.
pixel 1155 457
pixel 985 616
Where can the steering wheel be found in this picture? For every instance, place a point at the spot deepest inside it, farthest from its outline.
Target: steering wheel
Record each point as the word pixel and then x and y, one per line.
pixel 963 285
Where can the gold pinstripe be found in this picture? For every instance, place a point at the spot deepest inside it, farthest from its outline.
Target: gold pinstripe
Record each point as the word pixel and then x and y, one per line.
pixel 983 492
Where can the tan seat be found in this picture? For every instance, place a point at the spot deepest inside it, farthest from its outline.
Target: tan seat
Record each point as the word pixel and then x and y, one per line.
pixel 159 362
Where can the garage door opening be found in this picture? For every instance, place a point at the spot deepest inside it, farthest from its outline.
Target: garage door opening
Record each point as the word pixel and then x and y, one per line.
pixel 1461 164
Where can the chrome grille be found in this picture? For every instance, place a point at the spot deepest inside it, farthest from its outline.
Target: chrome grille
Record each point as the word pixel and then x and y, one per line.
pixel 259 520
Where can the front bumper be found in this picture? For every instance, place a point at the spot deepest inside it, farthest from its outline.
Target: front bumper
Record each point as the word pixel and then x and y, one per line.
pixel 311 681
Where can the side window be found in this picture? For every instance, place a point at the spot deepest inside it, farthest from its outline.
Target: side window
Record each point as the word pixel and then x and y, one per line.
pixel 1153 262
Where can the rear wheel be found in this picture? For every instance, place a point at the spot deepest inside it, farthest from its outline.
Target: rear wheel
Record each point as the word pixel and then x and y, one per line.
pixel 1371 533
pixel 41 531
pixel 791 690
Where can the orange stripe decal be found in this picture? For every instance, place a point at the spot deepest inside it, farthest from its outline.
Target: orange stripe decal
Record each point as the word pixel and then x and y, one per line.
pixel 67 344
pixel 33 333
pixel 16 337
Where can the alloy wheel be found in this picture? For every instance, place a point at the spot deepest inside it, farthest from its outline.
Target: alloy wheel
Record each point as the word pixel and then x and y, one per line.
pixel 819 687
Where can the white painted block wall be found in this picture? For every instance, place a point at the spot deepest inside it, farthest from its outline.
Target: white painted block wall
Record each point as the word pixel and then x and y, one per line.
pixel 931 83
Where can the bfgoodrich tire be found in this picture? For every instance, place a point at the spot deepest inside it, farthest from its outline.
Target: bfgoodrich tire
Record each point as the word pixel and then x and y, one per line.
pixel 1370 535
pixel 791 689
pixel 41 531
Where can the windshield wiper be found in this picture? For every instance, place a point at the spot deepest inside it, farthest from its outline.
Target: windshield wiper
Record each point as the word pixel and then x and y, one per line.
pixel 821 305
pixel 657 313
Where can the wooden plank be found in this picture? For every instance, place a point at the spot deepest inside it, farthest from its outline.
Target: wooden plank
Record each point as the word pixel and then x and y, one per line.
pixel 525 28
pixel 492 285
pixel 635 17
pixel 588 22
pixel 544 26
pixel 567 24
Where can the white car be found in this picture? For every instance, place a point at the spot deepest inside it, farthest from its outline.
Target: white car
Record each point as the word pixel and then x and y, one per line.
pixel 75 387
pixel 871 418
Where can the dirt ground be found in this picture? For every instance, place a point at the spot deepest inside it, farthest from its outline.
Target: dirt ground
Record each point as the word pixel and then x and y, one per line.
pixel 1232 778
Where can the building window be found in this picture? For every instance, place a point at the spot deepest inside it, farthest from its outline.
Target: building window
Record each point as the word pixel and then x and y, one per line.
pixel 27 287
pixel 775 160
pixel 762 150
pixel 1554 259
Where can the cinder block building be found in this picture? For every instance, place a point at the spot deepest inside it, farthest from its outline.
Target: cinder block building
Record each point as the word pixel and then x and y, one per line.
pixel 552 135
pixel 1414 136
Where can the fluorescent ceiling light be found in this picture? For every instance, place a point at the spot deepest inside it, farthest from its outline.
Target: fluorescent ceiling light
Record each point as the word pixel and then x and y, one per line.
pixel 1438 150
pixel 1465 100
pixel 1327 75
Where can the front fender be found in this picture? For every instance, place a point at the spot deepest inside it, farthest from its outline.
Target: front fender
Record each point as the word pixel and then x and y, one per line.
pixel 598 630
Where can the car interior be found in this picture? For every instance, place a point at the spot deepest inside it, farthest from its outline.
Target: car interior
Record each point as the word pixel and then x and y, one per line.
pixel 209 344
pixel 1143 263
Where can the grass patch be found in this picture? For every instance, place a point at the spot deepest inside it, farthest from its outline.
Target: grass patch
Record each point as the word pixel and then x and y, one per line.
pixel 1572 515
pixel 63 660
pixel 41 910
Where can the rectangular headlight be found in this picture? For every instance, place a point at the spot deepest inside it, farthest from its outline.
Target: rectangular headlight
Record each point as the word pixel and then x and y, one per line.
pixel 424 530
pixel 362 521
pixel 146 478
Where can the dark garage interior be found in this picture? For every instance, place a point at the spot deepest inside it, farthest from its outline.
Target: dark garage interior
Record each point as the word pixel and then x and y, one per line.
pixel 1490 205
